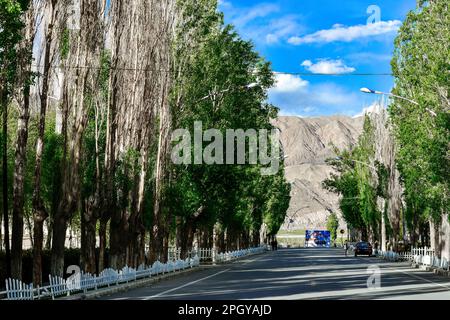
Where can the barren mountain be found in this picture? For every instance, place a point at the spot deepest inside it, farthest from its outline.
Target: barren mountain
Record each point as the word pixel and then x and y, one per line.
pixel 307 143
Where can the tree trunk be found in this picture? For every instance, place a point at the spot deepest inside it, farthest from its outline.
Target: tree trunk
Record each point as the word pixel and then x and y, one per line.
pixel 24 55
pixel 383 227
pixel 165 250
pixel 102 245
pixel 38 235
pixel 434 236
pixel 215 240
pixel 84 50
pixel 18 188
pixel 39 211
pixel 48 240
pixel 136 229
pixel 179 232
pixel 444 237
pixel 263 233
pixel 255 238
pixel 118 240
pixel 4 103
pixel 59 238
pixel 221 240
pixel 141 248
pixel 88 239
pixel 186 238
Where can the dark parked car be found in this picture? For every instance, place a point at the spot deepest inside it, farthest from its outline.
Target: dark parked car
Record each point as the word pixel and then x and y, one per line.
pixel 363 248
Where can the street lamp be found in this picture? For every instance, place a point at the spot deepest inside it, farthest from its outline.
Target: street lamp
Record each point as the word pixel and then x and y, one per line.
pixel 246 87
pixel 367 90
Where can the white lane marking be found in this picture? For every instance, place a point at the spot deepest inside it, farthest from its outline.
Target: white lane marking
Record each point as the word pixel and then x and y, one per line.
pixel 185 285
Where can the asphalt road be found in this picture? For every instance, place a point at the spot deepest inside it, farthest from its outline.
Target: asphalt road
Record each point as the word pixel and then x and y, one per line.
pixel 308 273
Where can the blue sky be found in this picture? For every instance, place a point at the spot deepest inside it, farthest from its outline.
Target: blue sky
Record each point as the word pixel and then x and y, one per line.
pixel 321 37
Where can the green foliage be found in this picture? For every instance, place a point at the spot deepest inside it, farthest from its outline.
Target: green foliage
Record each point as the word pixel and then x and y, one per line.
pixel 420 65
pixel 356 183
pixel 364 154
pixel 212 60
pixel 209 59
pixel 333 225
pixel 383 174
pixel 11 26
pixel 64 46
pixel 346 185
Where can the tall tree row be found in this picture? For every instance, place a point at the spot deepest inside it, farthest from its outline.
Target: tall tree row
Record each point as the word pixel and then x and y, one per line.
pixel 411 143
pixel 50 19
pixel 23 83
pixel 421 63
pixel 11 26
pixel 96 99
pixel 138 123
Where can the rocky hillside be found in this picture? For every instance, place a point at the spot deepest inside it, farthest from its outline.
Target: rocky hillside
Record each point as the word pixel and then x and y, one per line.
pixel 307 143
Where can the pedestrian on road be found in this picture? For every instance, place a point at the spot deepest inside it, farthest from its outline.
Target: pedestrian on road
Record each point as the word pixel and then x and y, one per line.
pixel 274 244
pixel 346 248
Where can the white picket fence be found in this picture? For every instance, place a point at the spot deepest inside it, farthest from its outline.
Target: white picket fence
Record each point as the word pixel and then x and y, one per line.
pixel 17 290
pixel 84 282
pixel 228 256
pixel 421 256
pixel 202 253
pixel 211 255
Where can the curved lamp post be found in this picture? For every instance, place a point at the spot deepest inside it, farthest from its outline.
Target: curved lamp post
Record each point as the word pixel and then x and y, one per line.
pixel 367 90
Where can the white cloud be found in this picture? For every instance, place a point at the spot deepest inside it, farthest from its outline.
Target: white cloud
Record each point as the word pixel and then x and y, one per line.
pixel 294 95
pixel 260 23
pixel 281 28
pixel 327 66
pixel 258 11
pixel 287 83
pixel 347 34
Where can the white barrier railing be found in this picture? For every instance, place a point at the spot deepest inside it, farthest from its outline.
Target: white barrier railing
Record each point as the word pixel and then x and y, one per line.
pixel 228 256
pixel 84 282
pixel 422 251
pixel 420 256
pixel 209 254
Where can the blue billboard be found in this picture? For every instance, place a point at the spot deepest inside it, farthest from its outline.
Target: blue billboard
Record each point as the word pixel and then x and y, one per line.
pixel 317 238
